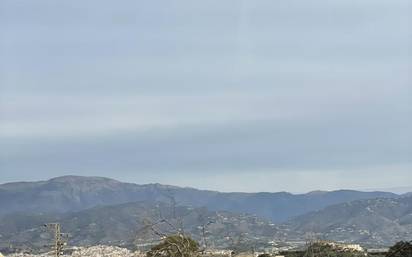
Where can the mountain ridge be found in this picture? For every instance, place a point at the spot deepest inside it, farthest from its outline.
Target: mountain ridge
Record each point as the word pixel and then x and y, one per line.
pixel 76 178
pixel 75 193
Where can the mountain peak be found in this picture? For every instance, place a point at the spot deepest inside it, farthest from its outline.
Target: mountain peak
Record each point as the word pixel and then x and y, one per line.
pixel 317 192
pixel 72 178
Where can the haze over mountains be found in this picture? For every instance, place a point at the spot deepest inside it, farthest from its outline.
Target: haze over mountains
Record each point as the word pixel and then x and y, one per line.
pixel 100 210
pixel 73 193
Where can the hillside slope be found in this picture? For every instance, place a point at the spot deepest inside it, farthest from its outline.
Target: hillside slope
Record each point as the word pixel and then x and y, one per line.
pixel 376 222
pixel 372 221
pixel 124 225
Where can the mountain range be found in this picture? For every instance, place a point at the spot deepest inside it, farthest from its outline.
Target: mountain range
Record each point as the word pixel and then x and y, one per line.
pixel 100 210
pixel 73 193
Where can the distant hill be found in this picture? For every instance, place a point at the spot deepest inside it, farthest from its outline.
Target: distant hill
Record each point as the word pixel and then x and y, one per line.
pixel 124 225
pixel 74 193
pixel 372 221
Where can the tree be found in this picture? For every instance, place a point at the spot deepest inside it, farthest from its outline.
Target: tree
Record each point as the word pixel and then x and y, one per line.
pixel 175 246
pixel 400 249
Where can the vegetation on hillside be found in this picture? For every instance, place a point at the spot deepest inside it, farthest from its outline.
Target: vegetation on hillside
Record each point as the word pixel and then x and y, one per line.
pixel 400 249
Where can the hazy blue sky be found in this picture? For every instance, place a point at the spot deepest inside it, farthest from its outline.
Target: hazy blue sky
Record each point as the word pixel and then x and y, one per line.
pixel 231 95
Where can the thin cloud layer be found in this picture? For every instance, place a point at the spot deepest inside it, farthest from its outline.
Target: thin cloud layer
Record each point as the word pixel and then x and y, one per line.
pixel 172 92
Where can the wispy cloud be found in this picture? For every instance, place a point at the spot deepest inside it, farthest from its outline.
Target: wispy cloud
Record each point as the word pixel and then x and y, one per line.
pixel 143 91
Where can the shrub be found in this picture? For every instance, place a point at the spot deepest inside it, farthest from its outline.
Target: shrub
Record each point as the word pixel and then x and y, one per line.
pixel 175 246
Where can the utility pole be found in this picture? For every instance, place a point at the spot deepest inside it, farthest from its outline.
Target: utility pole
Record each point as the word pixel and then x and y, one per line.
pixel 204 226
pixel 59 241
pixel 311 243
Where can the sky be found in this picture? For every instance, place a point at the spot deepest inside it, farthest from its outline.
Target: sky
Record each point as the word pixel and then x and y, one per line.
pixel 234 95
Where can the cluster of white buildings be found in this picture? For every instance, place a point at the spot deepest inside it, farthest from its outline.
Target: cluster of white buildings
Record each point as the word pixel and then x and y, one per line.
pixel 104 251
pixel 93 251
pixel 114 251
